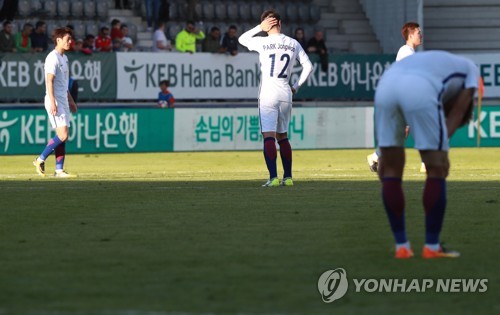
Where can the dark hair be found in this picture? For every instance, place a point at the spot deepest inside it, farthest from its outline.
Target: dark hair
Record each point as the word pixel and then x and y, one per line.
pixel 25 26
pixel 39 23
pixel 123 26
pixel 299 29
pixel 214 28
pixel 190 22
pixel 7 22
pixel 233 27
pixel 270 13
pixel 60 33
pixel 89 36
pixel 114 22
pixel 166 82
pixel 104 28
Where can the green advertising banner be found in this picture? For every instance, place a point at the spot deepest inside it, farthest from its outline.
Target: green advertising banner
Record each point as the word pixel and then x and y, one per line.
pixel 26 131
pixel 347 77
pixel 467 136
pixel 22 76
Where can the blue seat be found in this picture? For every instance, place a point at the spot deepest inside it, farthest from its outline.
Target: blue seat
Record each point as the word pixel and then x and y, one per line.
pixel 314 13
pixel 50 8
pixel 63 8
pixel 102 10
pixel 244 10
pixel 220 11
pixel 207 11
pixel 89 10
pixel 77 8
pixel 24 8
pixel 91 27
pixel 79 31
pixel 292 14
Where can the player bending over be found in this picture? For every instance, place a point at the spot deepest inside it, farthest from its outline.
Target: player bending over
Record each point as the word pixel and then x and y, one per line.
pixel 433 92
pixel 58 101
pixel 277 55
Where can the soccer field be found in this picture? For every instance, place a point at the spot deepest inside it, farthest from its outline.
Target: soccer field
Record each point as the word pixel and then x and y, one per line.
pixel 194 233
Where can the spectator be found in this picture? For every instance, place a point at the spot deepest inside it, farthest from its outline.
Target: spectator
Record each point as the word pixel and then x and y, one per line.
pixel 185 41
pixel 230 41
pixel 78 46
pixel 103 40
pixel 160 41
pixel 165 98
pixel 300 37
pixel 127 43
pixel 116 29
pixel 39 38
pixel 317 45
pixel 152 13
pixel 23 40
pixel 88 44
pixel 7 42
pixel 116 34
pixel 211 43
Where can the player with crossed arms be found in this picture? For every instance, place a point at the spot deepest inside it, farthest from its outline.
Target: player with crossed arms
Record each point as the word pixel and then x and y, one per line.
pixel 277 55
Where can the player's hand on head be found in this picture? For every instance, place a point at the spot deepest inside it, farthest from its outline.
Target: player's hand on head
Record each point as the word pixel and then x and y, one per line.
pixel 268 23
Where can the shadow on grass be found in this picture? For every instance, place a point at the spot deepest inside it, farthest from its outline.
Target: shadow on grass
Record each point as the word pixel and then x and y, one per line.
pixel 77 246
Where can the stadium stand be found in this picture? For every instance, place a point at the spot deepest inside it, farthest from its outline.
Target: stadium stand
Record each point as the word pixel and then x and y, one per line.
pixel 462 26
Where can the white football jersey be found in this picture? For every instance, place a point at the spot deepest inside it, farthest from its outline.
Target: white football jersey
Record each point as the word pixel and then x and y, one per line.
pixel 58 65
pixel 404 52
pixel 277 56
pixel 447 73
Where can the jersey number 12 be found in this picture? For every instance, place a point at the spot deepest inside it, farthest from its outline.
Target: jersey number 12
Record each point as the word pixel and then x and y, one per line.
pixel 284 57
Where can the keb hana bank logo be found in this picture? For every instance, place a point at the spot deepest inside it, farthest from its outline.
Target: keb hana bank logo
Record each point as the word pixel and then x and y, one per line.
pixel 333 285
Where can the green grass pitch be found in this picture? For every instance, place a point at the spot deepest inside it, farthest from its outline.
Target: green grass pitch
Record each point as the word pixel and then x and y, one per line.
pixel 194 233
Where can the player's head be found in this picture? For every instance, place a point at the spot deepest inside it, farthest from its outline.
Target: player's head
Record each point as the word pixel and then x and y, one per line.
pixel 62 37
pixel 272 14
pixel 411 33
pixel 164 85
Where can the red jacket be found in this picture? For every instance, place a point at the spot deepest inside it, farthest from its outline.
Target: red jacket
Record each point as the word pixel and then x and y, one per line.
pixel 103 43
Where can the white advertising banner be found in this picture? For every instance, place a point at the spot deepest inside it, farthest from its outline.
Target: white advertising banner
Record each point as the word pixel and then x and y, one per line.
pixel 191 76
pixel 215 129
pixel 489 68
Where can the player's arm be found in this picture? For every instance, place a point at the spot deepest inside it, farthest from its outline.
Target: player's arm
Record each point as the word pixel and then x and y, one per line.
pixel 49 81
pixel 72 104
pixel 307 69
pixel 458 111
pixel 247 38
